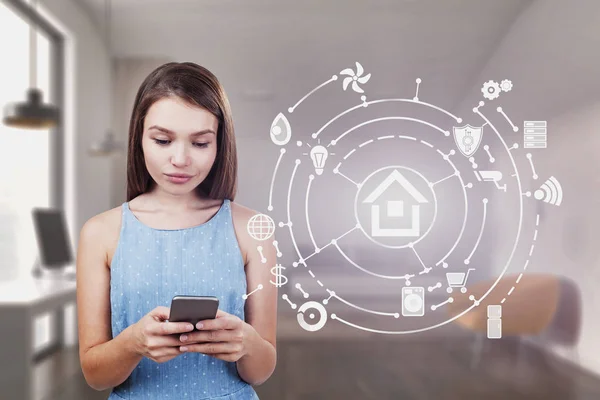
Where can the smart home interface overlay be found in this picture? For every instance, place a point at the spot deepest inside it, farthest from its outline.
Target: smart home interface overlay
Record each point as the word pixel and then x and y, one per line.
pixel 399 199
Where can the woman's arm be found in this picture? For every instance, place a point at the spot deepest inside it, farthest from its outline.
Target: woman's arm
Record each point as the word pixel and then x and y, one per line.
pixel 106 362
pixel 260 327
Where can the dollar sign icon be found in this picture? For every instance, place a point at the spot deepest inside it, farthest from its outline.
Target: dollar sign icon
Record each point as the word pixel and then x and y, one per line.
pixel 280 279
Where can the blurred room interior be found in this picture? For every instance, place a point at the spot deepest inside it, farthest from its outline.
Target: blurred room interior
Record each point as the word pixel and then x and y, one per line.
pixel 87 59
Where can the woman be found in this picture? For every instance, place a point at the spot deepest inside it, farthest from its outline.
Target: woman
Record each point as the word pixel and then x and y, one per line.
pixel 179 233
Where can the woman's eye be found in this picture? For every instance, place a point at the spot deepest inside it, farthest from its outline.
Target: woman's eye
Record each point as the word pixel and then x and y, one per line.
pixel 165 142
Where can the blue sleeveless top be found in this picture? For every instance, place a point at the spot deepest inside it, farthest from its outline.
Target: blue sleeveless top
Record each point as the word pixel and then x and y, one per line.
pixel 149 267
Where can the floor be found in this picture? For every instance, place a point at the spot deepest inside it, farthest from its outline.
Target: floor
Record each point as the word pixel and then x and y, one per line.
pixel 381 367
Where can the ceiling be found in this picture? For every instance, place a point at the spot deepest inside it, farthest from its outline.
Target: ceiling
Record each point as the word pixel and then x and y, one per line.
pixel 443 42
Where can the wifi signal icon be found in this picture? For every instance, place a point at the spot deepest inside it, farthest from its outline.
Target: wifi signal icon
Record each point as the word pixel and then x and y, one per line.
pixel 550 192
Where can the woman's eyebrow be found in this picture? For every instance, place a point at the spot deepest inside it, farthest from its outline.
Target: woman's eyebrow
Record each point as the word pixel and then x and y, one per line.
pixel 165 130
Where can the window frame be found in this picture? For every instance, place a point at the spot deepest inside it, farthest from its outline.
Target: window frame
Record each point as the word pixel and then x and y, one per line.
pixel 57 88
pixel 56 143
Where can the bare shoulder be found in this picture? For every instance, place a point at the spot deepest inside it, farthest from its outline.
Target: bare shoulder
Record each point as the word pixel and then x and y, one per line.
pixel 241 215
pixel 104 228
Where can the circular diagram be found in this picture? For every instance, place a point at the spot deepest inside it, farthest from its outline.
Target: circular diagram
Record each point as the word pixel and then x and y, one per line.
pixel 414 190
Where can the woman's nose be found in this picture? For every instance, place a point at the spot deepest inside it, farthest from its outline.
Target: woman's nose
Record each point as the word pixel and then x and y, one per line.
pixel 180 156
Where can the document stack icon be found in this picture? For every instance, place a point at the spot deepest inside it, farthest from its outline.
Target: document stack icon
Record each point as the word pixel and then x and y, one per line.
pixel 535 134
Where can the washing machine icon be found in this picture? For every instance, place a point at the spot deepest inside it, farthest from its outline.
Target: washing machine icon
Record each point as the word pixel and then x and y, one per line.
pixel 413 301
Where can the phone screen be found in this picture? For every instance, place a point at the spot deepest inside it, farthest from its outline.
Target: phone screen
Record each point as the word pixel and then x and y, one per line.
pixel 193 308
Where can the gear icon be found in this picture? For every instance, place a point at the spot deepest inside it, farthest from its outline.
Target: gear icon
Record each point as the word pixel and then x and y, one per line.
pixel 491 90
pixel 506 85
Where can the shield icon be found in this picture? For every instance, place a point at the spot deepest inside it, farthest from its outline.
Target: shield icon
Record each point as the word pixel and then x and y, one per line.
pixel 467 138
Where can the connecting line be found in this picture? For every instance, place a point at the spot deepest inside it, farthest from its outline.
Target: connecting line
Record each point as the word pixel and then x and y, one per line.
pixel 442 180
pixel 281 153
pixel 318 250
pixel 332 294
pixel 312 238
pixel 514 127
pixel 425 269
pixel 468 259
pixel 289 214
pixel 337 171
pixel 333 78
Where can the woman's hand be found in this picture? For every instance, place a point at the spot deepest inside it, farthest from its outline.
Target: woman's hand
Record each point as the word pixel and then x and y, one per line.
pixel 224 337
pixel 156 338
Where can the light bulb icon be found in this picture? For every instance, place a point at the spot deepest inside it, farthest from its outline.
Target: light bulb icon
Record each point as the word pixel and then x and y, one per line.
pixel 319 154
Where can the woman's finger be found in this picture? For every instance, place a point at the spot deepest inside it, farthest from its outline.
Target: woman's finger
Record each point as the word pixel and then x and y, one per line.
pixel 209 336
pixel 212 348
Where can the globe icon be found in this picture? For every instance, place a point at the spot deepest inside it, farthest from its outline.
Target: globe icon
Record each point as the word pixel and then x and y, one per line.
pixel 261 227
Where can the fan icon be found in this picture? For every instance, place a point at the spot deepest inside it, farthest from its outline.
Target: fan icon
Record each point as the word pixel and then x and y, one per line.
pixel 355 78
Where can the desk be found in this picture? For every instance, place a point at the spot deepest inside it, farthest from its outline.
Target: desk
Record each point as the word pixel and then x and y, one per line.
pixel 21 300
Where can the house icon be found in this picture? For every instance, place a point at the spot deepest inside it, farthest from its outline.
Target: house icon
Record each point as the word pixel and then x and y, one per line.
pixel 395 208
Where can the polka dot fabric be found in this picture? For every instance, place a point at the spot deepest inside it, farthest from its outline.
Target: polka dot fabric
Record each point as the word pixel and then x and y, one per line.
pixel 149 267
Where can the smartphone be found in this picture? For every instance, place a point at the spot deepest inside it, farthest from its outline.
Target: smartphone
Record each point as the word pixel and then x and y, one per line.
pixel 193 308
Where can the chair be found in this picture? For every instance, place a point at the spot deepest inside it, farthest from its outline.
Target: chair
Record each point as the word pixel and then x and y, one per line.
pixel 543 307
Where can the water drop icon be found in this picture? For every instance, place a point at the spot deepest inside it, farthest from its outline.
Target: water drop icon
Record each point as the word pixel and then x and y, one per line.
pixel 281 131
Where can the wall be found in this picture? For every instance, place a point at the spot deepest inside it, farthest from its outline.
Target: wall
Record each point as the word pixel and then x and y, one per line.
pixel 88 80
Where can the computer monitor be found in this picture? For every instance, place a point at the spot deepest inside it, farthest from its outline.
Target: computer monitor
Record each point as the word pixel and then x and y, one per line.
pixel 53 241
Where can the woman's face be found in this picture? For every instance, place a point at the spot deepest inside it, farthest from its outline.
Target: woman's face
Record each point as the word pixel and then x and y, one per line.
pixel 179 139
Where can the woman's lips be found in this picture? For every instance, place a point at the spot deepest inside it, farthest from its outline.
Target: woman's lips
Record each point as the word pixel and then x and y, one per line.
pixel 178 179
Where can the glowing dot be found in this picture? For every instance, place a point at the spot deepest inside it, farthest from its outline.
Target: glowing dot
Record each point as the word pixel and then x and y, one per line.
pixel 418 80
pixel 467 261
pixel 397 315
pixel 333 316
pixel 291 109
pixel 334 77
pixel 486 147
pixel 298 161
pixel 299 143
pixel 459 120
pixel 499 109
pixel 481 103
pixel 311 316
pixel 314 135
pixel 485 201
pixel 270 208
pixel 539 194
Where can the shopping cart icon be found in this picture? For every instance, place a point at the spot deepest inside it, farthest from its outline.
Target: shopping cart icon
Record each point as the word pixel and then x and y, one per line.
pixel 458 280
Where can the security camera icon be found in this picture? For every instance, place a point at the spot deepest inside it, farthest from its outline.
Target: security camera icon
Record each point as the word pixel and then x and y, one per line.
pixel 490 176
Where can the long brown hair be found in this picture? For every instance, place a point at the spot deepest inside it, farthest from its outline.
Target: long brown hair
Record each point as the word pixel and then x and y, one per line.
pixel 199 87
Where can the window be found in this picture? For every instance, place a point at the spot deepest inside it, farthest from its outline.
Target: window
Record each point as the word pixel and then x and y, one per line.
pixel 24 154
pixel 24 158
